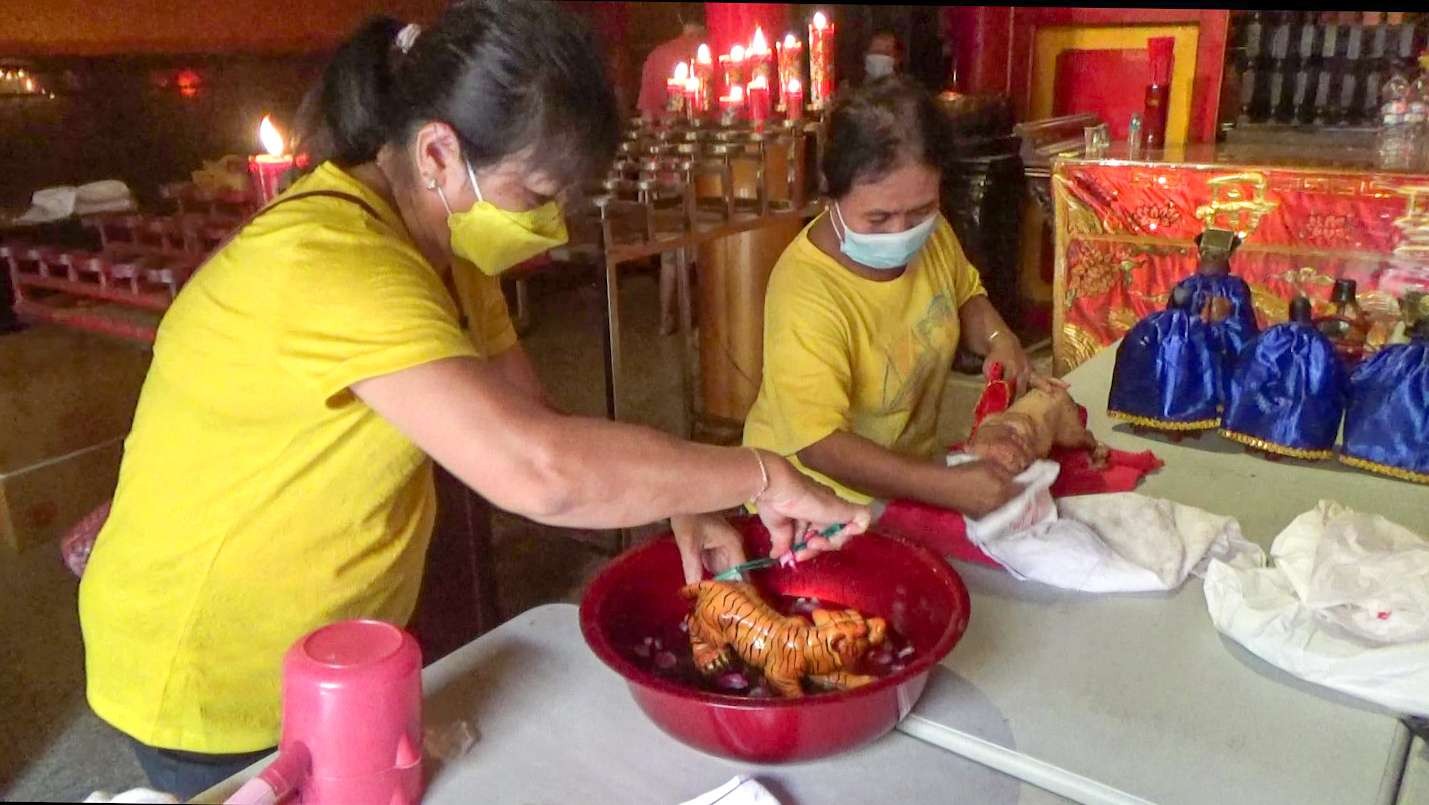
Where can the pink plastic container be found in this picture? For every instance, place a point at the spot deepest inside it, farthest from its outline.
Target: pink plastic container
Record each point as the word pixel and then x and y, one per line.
pixel 352 720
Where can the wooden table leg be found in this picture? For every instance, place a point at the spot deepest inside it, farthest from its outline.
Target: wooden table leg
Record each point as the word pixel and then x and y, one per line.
pixel 458 600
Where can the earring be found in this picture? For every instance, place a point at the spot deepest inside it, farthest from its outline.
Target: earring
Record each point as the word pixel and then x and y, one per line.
pixel 431 184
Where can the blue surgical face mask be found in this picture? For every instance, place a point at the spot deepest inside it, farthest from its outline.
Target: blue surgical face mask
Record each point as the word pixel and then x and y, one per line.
pixel 884 252
pixel 877 65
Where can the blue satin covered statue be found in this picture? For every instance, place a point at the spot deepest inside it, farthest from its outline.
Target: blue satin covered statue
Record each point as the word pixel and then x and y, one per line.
pixel 1170 371
pixel 1222 298
pixel 1387 419
pixel 1287 390
pixel 1173 367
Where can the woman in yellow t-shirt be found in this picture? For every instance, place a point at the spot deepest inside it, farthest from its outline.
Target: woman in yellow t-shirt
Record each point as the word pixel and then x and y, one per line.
pixel 278 475
pixel 864 313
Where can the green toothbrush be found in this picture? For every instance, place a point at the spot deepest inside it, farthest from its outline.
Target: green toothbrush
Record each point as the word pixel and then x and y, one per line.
pixel 738 571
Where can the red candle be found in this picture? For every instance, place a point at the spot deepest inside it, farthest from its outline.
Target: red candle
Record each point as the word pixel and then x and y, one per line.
pixel 790 57
pixel 821 60
pixel 265 171
pixel 675 90
pixel 692 97
pixel 731 106
pixel 794 98
pixel 704 71
pixel 732 65
pixel 759 57
pixel 759 99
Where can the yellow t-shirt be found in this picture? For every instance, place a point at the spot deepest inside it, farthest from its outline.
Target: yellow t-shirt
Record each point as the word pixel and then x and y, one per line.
pixel 844 353
pixel 258 498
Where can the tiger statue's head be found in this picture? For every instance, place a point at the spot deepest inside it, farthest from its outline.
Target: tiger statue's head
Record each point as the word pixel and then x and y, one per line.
pixel 847 634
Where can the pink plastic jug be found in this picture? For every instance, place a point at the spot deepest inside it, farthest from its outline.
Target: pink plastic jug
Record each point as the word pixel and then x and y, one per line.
pixel 352 720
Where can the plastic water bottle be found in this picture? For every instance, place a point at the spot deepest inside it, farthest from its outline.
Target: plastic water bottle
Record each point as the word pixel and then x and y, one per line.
pixel 1397 141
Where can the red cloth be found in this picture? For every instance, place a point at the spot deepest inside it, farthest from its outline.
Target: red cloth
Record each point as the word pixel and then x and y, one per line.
pixel 945 531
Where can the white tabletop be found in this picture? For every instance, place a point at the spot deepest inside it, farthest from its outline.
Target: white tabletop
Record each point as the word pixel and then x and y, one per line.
pixel 556 726
pixel 1140 692
pixel 1414 789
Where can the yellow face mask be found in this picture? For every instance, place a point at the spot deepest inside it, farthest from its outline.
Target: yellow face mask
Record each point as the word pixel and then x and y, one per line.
pixel 495 239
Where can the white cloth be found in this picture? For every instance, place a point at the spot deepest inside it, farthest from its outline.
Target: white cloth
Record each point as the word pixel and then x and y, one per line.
pixel 742 790
pixel 57 203
pixel 144 796
pixel 1118 542
pixel 1344 606
pixel 1033 506
pixel 50 204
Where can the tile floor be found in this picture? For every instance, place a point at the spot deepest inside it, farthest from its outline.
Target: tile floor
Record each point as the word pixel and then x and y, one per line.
pixel 55 749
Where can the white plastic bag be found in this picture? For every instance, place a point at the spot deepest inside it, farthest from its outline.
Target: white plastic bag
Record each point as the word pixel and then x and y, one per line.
pixel 1371 577
pixel 1339 640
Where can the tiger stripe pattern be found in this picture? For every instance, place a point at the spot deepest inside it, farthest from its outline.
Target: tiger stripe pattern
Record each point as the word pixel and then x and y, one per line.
pixel 732 617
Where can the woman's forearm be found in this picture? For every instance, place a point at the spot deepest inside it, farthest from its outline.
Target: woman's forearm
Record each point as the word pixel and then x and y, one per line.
pixel 561 470
pixel 861 464
pixel 858 463
pixel 981 323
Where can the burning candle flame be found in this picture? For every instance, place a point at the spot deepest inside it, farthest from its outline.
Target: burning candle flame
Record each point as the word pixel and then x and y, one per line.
pixel 269 136
pixel 759 82
pixel 702 54
pixel 736 93
pixel 736 53
pixel 758 44
pixel 682 71
pixel 794 86
pixel 820 21
pixel 790 41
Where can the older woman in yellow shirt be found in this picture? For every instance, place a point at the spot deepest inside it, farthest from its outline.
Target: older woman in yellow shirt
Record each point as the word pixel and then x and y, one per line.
pixel 278 475
pixel 864 313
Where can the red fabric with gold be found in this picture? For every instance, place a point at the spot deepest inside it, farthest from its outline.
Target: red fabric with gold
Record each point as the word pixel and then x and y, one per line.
pixel 1126 235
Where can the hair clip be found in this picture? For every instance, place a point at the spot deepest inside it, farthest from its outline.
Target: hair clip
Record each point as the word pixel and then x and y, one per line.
pixel 407 36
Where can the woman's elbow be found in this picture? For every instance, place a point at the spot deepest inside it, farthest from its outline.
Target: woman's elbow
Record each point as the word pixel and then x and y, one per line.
pixel 547 488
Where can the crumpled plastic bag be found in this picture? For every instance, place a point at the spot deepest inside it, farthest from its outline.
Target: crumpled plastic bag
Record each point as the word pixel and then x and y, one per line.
pixel 134 796
pixel 1360 572
pixel 742 790
pixel 1318 614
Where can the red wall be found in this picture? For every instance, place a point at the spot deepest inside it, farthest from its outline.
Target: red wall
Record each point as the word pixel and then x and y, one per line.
pixel 99 27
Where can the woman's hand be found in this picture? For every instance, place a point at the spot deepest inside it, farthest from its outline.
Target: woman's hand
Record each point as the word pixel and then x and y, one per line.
pixel 707 542
pixel 980 488
pixel 1016 368
pixel 795 509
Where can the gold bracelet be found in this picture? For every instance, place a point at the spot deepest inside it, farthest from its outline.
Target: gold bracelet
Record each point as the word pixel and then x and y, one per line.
pixel 763 474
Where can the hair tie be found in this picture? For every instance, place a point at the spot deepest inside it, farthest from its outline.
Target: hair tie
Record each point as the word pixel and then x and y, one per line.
pixel 407 36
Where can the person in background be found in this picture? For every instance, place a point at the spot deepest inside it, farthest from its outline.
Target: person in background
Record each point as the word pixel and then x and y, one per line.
pixel 658 68
pixel 863 314
pixel 279 473
pixel 883 57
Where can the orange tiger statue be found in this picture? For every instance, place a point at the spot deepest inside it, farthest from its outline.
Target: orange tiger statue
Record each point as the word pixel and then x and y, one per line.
pixel 731 616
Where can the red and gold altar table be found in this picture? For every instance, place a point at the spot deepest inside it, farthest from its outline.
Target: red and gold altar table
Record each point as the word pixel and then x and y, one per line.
pixel 1125 230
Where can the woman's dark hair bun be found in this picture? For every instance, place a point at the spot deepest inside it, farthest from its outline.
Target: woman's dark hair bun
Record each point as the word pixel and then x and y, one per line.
pixel 509 76
pixel 357 92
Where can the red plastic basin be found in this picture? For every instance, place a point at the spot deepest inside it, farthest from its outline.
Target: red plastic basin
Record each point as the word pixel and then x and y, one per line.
pixel 915 590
